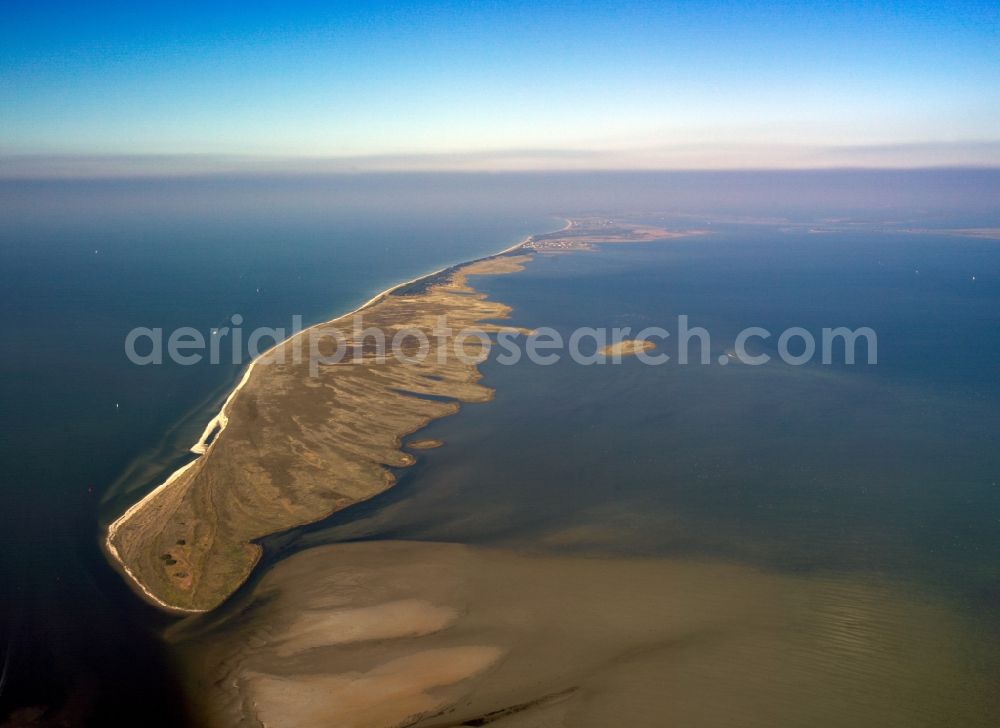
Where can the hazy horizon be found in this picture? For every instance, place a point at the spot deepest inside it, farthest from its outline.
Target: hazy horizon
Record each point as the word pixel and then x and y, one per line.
pixel 874 194
pixel 81 166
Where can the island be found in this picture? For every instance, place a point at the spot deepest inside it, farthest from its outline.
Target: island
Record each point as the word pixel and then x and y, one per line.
pixel 627 347
pixel 425 444
pixel 297 441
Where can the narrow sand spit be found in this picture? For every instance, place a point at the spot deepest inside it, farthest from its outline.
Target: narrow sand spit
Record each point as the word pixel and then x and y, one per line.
pixel 308 435
pixel 184 554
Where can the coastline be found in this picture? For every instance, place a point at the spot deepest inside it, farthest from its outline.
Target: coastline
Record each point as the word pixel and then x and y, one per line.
pixel 218 423
pixel 214 428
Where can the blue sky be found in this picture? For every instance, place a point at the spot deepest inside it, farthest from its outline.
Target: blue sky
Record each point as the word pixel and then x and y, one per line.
pixel 513 85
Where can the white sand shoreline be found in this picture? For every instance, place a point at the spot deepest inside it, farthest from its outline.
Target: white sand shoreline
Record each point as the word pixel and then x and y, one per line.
pixel 218 423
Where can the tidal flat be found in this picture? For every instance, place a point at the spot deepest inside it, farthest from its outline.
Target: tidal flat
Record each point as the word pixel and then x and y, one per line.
pixel 396 633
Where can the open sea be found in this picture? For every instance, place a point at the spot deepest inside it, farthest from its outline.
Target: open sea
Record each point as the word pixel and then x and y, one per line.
pixel 883 474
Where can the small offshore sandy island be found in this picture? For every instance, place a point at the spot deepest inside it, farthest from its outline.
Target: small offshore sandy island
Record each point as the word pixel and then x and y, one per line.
pixel 426 444
pixel 626 347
